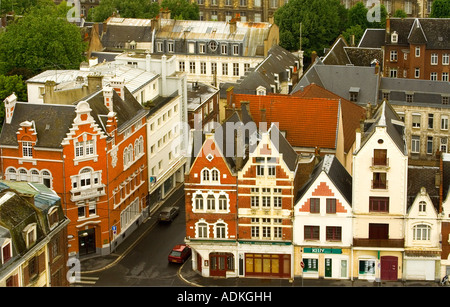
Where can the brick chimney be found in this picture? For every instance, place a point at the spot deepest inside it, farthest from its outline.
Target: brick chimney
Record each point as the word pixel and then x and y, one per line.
pixel 118 85
pixel 108 97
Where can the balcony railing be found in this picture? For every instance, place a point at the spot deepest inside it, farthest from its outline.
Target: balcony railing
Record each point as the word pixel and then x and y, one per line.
pixel 380 162
pixel 394 243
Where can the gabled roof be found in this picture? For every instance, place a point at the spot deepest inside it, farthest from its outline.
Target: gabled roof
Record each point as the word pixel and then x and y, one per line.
pixel 290 156
pixel 277 62
pixel 307 122
pixel 351 112
pixel 340 79
pixel 385 116
pixel 52 123
pixel 336 172
pixel 434 32
pixel 422 176
pixel 372 38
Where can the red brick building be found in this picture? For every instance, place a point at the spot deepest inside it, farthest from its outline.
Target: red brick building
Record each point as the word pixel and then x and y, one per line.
pixel 417 48
pixel 92 153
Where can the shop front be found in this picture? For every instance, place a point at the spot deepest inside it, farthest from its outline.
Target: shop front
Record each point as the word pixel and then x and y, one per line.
pixel 332 263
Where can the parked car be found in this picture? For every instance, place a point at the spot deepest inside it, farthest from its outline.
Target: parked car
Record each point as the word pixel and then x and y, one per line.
pixel 168 214
pixel 180 253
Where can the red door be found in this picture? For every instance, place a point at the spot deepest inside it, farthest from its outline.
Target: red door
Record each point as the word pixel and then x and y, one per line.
pixel 220 263
pixel 389 267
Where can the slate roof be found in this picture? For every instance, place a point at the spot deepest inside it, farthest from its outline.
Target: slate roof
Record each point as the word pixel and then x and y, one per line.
pixel 124 30
pixel 386 116
pixel 426 93
pixel 339 79
pixel 52 123
pixel 372 38
pixel 434 32
pixel 336 172
pixel 290 156
pixel 422 176
pixel 276 62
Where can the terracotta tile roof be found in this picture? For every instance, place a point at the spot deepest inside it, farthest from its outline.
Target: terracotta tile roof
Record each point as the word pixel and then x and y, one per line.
pixel 351 112
pixel 308 122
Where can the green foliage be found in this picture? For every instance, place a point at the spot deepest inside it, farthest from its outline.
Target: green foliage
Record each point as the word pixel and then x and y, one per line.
pixel 40 40
pixel 440 9
pixel 17 6
pixel 321 22
pixel 355 30
pixel 182 9
pixel 9 85
pixel 400 14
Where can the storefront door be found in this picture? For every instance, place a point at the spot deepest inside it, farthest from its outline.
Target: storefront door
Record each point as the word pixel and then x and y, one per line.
pixel 86 242
pixel 389 266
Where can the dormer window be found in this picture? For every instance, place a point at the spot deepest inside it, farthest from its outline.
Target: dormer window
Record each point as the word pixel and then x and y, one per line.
pixel 394 37
pixel 6 251
pixel 53 217
pixel 27 149
pixel 30 235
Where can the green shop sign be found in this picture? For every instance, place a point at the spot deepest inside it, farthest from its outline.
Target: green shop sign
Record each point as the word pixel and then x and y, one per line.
pixel 318 250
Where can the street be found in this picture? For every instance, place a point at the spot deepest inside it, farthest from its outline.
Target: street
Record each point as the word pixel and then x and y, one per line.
pixel 146 263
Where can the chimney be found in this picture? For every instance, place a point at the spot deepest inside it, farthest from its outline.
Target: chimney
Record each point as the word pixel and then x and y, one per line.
pixel 118 86
pixel 148 61
pixel 108 97
pixel 165 13
pixel 358 139
pixel 230 95
pixel 156 23
pixel 164 74
pixel 94 82
pixel 313 57
pixel 352 40
pixel 245 105
pixel 10 103
pixel 388 25
pixel 49 89
pixel 232 26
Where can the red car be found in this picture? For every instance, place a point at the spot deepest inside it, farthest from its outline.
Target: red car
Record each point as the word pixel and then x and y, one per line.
pixel 180 253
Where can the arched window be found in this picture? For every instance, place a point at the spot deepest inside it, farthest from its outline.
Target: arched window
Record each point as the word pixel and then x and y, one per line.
pixel 422 232
pixel 11 174
pixel 211 202
pixel 85 177
pixel 215 175
pixel 221 230
pixel 202 230
pixel 47 179
pixel 198 202
pixel 35 176
pixel 205 175
pixel 23 174
pixel 222 203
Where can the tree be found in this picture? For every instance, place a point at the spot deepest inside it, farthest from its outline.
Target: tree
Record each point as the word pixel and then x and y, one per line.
pixel 128 9
pixel 440 9
pixel 42 39
pixel 357 31
pixel 17 6
pixel 400 14
pixel 182 9
pixel 320 21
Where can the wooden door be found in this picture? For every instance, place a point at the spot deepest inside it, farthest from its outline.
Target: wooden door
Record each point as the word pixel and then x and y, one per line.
pixel 389 268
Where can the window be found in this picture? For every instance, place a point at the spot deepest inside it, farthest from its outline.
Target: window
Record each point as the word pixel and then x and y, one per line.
pixel 6 252
pixel 202 230
pixel 378 204
pixel 433 76
pixel 379 181
pixel 224 69
pixel 213 68
pixel 27 149
pixel 201 48
pixel 171 47
pixel 257 3
pixel 254 201
pixel 416 121
pixel 430 121
pixel 215 175
pixel 311 232
pixel 415 144
pixel 30 235
pixel 277 202
pixel 444 122
pixel 393 56
pixel 224 49
pixel 221 231
pixel 430 145
pixel 434 59
pixel 84 148
pixel 394 37
pixel 445 76
pixel 421 233
pixel 366 267
pixel 181 66
pixel 198 202
pixel 205 175
pixel 192 67
pixel 445 59
pixel 311 265
pixel 380 157
pixel 333 233
pixel 222 203
pixel 236 49
pixel 331 205
pixel 417 73
pixel 259 170
pixel 393 73
pixel 409 98
pixel 443 147
pixel 445 100
pixel 417 53
pixel 314 205
pixel 235 69
pixel 159 46
pixel 211 203
pixel 422 207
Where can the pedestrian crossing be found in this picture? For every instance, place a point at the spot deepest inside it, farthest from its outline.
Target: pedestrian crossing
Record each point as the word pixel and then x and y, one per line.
pixel 85 281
